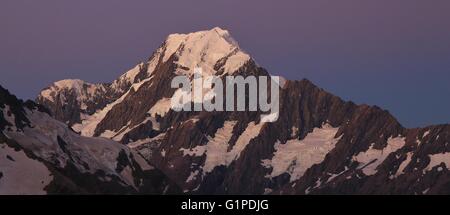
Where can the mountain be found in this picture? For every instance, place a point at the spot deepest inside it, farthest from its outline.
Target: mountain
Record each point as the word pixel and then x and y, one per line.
pixel 73 100
pixel 320 144
pixel 40 155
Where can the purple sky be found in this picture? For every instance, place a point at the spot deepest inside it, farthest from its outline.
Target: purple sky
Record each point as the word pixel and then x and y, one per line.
pixel 390 53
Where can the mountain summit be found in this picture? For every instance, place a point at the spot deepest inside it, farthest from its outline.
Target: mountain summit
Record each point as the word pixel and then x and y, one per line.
pixel 319 145
pixel 205 49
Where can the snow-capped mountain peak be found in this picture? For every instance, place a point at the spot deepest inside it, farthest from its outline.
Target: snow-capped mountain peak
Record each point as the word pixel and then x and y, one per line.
pixel 214 50
pixel 320 144
pixel 205 49
pixel 82 89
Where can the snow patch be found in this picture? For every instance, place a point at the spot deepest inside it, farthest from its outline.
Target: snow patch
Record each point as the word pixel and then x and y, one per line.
pixel 269 117
pixel 216 149
pixel 194 152
pixel 426 134
pixel 172 43
pixel 267 191
pixel 161 107
pixel 235 62
pixel 294 131
pixel 193 176
pixel 372 158
pixel 437 159
pixel 405 163
pixel 138 143
pixel 296 156
pixel 333 176
pixel 108 134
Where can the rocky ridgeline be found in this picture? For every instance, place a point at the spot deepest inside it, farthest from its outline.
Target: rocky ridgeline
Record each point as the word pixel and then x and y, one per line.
pixel 319 145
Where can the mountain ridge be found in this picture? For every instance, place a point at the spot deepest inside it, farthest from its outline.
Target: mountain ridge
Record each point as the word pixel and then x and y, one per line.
pixel 40 155
pixel 320 143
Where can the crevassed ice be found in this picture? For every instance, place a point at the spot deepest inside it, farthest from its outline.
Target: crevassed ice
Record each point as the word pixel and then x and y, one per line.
pixel 216 149
pixel 296 156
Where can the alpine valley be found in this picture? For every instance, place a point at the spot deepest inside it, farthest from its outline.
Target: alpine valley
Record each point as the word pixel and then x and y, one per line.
pixel 123 138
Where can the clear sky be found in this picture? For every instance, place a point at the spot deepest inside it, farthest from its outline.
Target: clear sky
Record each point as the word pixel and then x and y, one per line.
pixel 390 53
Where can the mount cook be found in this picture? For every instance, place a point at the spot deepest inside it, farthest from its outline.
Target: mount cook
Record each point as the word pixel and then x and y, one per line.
pixel 320 144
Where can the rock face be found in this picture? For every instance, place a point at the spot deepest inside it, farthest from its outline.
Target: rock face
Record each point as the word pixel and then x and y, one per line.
pixel 40 155
pixel 70 101
pixel 320 144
